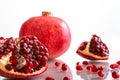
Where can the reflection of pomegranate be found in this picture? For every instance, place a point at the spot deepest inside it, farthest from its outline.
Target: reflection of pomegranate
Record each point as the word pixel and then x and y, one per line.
pixel 51 31
pixel 53 72
pixel 22 57
pixel 93 50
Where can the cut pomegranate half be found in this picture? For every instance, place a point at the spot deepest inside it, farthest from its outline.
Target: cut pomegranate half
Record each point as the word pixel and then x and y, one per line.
pixel 22 57
pixel 94 49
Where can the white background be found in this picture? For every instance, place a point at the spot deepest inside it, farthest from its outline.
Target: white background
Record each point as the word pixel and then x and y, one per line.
pixel 84 17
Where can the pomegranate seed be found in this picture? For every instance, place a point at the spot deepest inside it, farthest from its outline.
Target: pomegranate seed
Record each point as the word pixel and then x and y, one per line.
pixel 57 64
pixel 64 67
pixel 85 62
pixel 89 68
pixel 13 60
pixel 113 66
pixel 66 78
pixel 79 67
pixel 83 45
pixel 118 62
pixel 8 67
pixel 78 63
pixel 100 68
pixel 49 78
pixel 100 73
pixel 115 75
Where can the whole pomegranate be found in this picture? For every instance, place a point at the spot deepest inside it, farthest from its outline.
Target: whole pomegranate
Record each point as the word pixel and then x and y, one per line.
pixel 94 49
pixel 22 57
pixel 51 31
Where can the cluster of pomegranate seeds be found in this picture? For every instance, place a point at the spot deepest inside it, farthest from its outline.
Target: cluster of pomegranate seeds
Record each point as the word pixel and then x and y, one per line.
pixel 28 54
pixel 85 66
pixel 99 69
pixel 83 45
pixel 97 47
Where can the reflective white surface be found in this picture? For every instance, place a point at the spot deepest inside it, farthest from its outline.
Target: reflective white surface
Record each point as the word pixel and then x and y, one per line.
pixel 84 17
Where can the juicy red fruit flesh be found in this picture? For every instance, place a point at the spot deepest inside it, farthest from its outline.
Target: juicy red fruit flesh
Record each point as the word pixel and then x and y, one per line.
pixel 24 54
pixel 98 47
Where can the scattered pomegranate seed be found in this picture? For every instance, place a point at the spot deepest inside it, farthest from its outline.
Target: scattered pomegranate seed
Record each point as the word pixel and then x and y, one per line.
pixel 115 75
pixel 57 64
pixel 64 67
pixel 101 73
pixel 113 66
pixel 94 68
pixel 79 67
pixel 118 62
pixel 100 68
pixel 66 78
pixel 49 78
pixel 85 62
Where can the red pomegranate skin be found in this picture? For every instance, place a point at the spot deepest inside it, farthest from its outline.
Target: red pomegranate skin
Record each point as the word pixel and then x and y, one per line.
pixel 51 31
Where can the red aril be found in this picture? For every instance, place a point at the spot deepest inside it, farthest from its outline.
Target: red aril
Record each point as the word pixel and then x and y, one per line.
pixel 19 58
pixel 51 31
pixel 94 49
pixel 115 75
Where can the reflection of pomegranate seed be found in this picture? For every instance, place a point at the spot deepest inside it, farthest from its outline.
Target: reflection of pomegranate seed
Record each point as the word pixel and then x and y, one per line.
pixel 115 75
pixel 64 67
pixel 85 62
pixel 49 78
pixel 66 78
pixel 57 64
pixel 100 73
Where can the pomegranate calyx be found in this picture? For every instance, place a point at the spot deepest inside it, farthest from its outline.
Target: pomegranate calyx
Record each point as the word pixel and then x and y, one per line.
pixel 46 13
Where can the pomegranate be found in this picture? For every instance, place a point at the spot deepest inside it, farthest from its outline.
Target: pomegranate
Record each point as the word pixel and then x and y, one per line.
pixel 51 31
pixel 22 57
pixel 94 49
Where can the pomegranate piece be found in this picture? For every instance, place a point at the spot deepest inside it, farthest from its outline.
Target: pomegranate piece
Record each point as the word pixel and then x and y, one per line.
pixel 51 31
pixel 94 49
pixel 19 57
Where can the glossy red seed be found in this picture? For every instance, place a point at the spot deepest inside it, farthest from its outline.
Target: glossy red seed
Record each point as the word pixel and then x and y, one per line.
pixel 118 62
pixel 94 68
pixel 13 60
pixel 115 75
pixel 79 67
pixel 8 67
pixel 100 73
pixel 49 78
pixel 66 78
pixel 85 62
pixel 113 66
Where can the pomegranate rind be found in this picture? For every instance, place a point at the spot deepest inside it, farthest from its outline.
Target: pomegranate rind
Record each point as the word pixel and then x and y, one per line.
pixel 88 55
pixel 12 74
pixel 52 31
